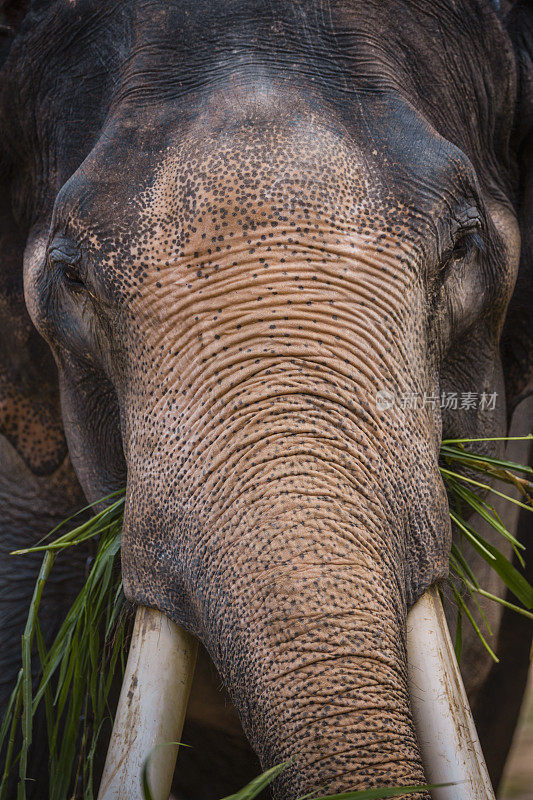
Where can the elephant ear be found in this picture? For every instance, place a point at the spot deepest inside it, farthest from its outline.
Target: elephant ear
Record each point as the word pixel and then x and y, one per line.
pixel 517 341
pixel 30 417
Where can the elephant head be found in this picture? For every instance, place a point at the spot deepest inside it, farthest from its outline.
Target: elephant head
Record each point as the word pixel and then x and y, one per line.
pixel 272 249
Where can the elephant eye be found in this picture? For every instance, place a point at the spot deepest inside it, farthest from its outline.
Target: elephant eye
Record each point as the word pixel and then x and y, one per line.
pixel 466 243
pixel 72 277
pixel 67 269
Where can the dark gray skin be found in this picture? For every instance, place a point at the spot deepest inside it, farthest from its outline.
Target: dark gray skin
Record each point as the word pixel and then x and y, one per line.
pixel 238 222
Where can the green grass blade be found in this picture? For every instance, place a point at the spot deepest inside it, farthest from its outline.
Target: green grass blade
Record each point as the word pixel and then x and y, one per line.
pixel 503 602
pixel 514 581
pixel 471 536
pixel 27 641
pixel 487 487
pixel 9 710
pixel 528 437
pixel 12 734
pixel 458 571
pixel 252 789
pixel 456 556
pixel 464 608
pixel 487 513
pixel 482 462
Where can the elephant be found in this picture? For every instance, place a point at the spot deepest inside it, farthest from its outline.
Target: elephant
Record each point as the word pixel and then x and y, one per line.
pixel 247 248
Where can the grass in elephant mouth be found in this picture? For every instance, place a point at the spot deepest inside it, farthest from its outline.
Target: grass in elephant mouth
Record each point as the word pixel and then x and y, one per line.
pixel 76 673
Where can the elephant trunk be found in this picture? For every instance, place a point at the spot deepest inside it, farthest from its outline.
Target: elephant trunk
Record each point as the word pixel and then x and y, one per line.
pixel 327 685
pixel 308 634
pixel 273 548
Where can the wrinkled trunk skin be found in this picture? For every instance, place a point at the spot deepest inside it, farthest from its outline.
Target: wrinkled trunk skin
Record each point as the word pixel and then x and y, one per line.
pixel 307 627
pixel 293 572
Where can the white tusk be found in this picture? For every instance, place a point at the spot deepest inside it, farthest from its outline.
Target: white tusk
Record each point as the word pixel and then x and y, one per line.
pixel 447 736
pixel 151 708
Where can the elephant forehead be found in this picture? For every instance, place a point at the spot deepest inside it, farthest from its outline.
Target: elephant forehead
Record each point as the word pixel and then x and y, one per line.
pixel 236 189
pixel 259 165
pixel 239 241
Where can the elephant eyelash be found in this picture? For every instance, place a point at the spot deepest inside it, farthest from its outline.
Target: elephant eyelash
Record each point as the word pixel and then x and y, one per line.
pixel 72 277
pixel 465 244
pixel 67 268
pixel 469 241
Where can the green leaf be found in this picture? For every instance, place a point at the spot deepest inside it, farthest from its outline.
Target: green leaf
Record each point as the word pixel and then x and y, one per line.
pixel 251 790
pixel 458 644
pixel 483 463
pixel 457 476
pixel 528 437
pixel 514 581
pixel 487 512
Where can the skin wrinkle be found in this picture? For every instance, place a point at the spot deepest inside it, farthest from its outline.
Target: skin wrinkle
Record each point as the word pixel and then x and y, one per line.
pixel 238 519
pixel 377 708
pixel 376 744
pixel 283 391
pixel 304 358
pixel 352 665
pixel 288 402
pixel 218 549
pixel 378 693
pixel 218 368
pixel 224 510
pixel 258 330
pixel 258 575
pixel 231 466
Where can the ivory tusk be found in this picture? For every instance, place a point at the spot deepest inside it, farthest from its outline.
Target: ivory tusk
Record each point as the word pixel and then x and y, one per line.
pixel 447 736
pixel 151 708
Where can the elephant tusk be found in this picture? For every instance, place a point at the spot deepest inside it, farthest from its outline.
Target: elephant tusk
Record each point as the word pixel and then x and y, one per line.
pixel 151 708
pixel 447 736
